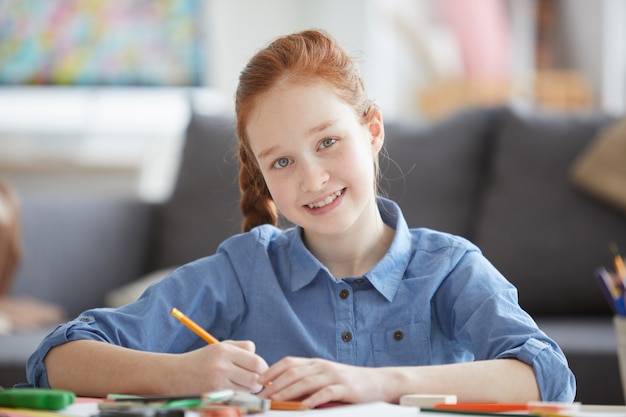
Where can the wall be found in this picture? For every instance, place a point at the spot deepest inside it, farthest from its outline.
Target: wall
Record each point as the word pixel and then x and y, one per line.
pixel 386 35
pixel 593 40
pixel 239 28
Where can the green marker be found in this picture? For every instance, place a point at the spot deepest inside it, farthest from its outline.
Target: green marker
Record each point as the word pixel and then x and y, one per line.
pixel 38 398
pixel 184 403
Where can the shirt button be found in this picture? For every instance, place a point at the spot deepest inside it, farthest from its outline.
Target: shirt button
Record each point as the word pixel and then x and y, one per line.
pixel 359 280
pixel 85 319
pixel 346 336
pixel 343 294
pixel 398 335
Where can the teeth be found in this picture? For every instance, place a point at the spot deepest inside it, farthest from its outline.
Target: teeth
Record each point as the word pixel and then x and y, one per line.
pixel 326 201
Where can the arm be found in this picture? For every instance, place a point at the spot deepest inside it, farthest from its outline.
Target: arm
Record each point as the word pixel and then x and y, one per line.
pixel 92 368
pixel 319 381
pixel 107 350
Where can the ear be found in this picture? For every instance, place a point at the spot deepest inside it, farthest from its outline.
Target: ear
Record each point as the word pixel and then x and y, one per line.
pixel 376 129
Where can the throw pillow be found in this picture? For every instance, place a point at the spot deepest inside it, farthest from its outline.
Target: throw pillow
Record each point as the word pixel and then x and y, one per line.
pixel 601 169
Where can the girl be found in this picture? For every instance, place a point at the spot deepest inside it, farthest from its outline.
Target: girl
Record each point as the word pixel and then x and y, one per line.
pixel 349 305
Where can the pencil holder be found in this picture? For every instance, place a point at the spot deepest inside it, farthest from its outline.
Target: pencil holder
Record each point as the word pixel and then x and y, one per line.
pixel 620 334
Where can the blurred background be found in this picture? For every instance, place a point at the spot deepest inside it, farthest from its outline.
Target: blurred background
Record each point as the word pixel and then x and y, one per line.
pixel 95 95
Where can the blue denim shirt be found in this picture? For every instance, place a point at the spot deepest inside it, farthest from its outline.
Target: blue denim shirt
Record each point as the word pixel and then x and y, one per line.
pixel 432 299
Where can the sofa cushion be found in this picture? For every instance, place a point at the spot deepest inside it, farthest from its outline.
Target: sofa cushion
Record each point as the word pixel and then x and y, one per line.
pixel 204 207
pixel 535 226
pixel 434 170
pixel 78 247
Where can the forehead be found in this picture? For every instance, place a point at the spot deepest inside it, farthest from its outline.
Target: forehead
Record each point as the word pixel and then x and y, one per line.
pixel 290 109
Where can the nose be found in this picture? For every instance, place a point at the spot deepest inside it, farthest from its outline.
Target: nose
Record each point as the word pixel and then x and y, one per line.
pixel 313 176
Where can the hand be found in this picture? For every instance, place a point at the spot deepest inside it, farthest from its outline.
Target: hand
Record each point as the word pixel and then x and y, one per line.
pixel 319 381
pixel 229 364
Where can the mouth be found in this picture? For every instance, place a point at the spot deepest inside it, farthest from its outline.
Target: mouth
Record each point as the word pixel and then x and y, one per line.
pixel 332 197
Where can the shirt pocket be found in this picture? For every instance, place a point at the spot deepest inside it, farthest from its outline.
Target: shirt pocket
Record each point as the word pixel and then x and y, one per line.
pixel 401 346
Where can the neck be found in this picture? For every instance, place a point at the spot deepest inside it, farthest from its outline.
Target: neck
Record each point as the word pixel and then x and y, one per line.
pixel 355 251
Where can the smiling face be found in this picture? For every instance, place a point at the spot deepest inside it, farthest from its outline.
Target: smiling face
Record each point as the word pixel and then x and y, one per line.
pixel 316 157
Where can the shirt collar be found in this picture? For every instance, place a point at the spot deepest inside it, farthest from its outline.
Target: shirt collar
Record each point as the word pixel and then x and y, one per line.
pixel 305 266
pixel 385 276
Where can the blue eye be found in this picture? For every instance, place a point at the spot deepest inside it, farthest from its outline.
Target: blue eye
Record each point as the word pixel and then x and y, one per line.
pixel 328 142
pixel 281 163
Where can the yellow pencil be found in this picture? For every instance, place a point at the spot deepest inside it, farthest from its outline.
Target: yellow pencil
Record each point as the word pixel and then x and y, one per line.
pixel 193 326
pixel 620 268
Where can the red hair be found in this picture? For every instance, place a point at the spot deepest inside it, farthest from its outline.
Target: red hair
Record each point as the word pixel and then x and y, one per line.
pixel 302 57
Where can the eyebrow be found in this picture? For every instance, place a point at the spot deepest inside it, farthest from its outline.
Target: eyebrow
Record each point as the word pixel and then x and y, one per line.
pixel 321 126
pixel 266 152
pixel 315 129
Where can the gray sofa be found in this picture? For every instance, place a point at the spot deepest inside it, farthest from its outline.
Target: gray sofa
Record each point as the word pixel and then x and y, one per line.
pixel 497 176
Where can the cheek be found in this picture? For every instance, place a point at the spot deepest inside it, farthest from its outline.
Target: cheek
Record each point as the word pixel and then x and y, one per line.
pixel 277 187
pixel 362 165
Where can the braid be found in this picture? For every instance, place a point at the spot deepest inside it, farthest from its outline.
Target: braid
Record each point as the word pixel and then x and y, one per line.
pixel 256 203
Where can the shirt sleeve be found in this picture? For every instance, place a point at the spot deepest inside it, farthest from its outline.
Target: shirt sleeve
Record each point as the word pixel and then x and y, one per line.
pixel 205 290
pixel 555 379
pixel 486 318
pixel 35 369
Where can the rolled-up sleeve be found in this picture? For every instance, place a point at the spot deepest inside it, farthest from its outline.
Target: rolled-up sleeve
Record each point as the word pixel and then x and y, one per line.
pixel 555 379
pixel 73 330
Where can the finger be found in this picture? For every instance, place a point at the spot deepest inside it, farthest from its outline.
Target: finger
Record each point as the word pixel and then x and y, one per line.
pixel 247 365
pixel 282 366
pixel 297 383
pixel 325 395
pixel 244 381
pixel 243 356
pixel 243 344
